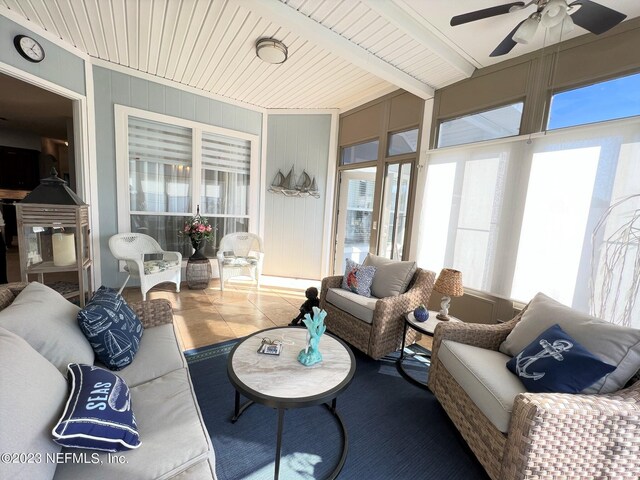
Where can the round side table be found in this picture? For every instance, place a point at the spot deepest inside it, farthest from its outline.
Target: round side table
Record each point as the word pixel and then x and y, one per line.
pixel 427 327
pixel 198 273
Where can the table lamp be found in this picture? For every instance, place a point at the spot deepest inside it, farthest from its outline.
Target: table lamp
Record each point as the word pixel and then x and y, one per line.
pixel 449 283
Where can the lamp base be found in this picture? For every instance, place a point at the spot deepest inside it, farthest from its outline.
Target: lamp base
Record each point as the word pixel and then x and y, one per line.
pixel 442 317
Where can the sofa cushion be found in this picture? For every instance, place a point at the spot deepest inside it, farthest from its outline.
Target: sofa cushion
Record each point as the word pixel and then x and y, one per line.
pixel 98 414
pixel 170 426
pixel 483 375
pixel 392 276
pixel 113 329
pixel 32 396
pixel 352 303
pixel 555 362
pixel 47 321
pixel 159 354
pixel 613 344
pixel 358 278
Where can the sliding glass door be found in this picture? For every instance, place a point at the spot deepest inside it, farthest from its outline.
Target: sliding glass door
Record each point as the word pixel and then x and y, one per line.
pixel 355 218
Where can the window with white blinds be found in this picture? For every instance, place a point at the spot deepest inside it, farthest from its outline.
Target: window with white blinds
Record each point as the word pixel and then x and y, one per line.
pixel 175 165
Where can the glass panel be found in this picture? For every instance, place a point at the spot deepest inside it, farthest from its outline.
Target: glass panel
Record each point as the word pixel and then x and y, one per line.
pixel 554 223
pixel 403 204
pixel 355 211
pixel 159 167
pixel 387 219
pixel 403 142
pixel 363 152
pixel 608 100
pixel 226 163
pixel 165 229
pixel 497 123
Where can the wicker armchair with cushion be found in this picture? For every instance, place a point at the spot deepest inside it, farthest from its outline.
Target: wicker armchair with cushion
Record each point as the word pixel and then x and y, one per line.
pixel 373 325
pixel 517 434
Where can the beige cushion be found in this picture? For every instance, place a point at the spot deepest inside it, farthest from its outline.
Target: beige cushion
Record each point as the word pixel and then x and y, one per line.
pixel 48 322
pixel 392 277
pixel 32 396
pixel 159 354
pixel 357 305
pixel 171 429
pixel 613 344
pixel 483 375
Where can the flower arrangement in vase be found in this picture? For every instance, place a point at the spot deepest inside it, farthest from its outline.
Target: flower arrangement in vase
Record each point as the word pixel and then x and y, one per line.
pixel 198 231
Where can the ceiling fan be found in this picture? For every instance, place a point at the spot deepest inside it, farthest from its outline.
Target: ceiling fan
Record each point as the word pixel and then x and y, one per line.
pixel 550 14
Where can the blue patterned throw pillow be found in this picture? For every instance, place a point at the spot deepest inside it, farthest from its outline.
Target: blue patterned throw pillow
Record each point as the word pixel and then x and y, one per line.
pixel 112 328
pixel 358 278
pixel 554 362
pixel 98 414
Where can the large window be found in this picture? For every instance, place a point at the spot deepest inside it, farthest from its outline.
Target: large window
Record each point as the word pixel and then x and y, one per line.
pixel 175 165
pixel 521 216
pixel 617 98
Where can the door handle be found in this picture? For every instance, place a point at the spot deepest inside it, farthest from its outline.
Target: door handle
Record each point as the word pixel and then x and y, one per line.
pixel 374 226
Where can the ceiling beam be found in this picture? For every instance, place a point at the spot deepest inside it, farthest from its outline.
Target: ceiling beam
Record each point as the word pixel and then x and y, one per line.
pixel 421 31
pixel 313 31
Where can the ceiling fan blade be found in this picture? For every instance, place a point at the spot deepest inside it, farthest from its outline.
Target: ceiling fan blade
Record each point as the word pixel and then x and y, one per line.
pixel 507 44
pixel 484 13
pixel 595 17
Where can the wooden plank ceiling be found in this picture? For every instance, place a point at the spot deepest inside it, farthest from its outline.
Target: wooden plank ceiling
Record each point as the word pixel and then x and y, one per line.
pixel 209 45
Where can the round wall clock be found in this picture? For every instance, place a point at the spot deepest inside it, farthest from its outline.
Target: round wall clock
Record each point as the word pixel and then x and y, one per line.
pixel 29 48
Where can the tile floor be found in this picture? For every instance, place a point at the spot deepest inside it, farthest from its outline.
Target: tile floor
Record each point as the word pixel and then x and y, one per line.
pixel 205 317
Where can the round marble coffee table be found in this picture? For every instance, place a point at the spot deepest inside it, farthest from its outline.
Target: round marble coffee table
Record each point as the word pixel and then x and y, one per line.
pixel 281 382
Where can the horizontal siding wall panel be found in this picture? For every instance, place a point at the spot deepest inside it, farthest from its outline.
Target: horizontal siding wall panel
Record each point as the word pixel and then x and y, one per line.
pixel 294 225
pixel 117 88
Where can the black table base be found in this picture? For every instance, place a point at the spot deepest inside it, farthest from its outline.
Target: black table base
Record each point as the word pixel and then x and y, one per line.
pixel 400 365
pixel 239 410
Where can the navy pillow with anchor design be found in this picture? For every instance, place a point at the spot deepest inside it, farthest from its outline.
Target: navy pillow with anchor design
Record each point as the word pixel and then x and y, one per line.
pixel 554 362
pixel 112 328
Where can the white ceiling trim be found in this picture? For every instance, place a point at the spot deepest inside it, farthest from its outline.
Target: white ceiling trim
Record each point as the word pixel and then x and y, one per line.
pixel 420 31
pixel 315 32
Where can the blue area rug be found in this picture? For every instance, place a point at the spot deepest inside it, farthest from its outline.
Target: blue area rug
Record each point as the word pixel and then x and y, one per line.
pixel 396 430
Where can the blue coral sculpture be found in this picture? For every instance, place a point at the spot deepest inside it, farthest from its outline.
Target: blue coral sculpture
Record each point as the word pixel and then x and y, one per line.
pixel 310 355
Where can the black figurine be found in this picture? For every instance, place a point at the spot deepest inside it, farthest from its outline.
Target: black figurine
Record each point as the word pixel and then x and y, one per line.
pixel 307 307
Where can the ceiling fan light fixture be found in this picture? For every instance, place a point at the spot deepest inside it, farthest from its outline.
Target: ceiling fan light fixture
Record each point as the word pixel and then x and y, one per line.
pixel 271 50
pixel 554 13
pixel 524 34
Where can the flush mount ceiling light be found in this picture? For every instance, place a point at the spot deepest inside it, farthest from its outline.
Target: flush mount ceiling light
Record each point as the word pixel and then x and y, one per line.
pixel 271 50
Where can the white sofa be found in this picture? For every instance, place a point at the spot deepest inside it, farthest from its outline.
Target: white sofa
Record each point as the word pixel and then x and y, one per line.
pixel 35 334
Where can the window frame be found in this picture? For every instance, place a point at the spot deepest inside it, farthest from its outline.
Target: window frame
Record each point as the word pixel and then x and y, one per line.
pixel 124 212
pixel 488 108
pixel 387 155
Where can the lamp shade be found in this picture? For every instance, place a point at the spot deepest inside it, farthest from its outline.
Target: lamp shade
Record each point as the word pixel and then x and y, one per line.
pixel 271 50
pixel 449 283
pixel 524 34
pixel 554 13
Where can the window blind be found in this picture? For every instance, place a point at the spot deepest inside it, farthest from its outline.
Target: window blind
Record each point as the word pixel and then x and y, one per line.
pixel 226 154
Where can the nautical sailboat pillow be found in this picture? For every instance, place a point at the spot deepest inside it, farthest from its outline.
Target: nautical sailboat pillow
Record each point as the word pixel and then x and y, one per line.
pixel 112 328
pixel 98 413
pixel 554 362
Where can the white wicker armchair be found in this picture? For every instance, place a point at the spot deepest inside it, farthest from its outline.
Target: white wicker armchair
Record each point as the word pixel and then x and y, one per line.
pixel 132 247
pixel 240 254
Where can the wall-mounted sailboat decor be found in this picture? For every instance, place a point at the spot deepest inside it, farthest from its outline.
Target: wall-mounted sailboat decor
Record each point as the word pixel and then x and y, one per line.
pixel 287 186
